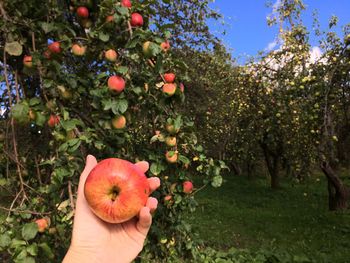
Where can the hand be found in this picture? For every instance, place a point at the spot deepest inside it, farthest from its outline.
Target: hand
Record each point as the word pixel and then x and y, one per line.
pixel 94 240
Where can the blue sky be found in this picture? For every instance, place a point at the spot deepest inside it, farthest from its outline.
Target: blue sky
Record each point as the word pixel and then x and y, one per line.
pixel 247 30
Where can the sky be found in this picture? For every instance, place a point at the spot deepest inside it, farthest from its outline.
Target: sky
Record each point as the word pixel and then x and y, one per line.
pixel 247 31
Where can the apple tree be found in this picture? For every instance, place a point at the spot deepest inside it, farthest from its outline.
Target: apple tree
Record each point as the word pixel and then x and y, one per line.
pixel 88 77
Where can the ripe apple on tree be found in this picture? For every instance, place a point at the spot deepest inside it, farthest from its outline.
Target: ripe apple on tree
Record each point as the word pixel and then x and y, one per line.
pixel 170 141
pixel 53 120
pixel 119 122
pixel 147 52
pixel 171 128
pixel 55 47
pixel 116 83
pixel 43 224
pixel 171 156
pixel 187 187
pixel 82 12
pixel 28 61
pixel 116 190
pixel 169 77
pixel 165 46
pixel 126 3
pixel 136 20
pixel 169 89
pixel 78 50
pixel 111 55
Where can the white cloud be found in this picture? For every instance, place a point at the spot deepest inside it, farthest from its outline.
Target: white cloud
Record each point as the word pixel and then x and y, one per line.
pixel 271 45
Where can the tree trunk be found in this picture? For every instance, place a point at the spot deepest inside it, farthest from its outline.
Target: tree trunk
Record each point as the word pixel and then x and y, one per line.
pixel 338 193
pixel 272 163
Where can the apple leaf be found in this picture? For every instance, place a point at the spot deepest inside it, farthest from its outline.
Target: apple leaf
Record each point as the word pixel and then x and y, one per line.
pixel 20 112
pixel 33 249
pixel 47 27
pixel 46 250
pixel 157 168
pixel 5 240
pixel 29 231
pixel 103 36
pixel 14 48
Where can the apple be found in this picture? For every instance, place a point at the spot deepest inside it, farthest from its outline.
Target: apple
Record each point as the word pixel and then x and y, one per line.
pixel 47 54
pixel 136 20
pixel 169 89
pixel 53 120
pixel 169 77
pixel 119 122
pixel 187 187
pixel 43 224
pixel 116 83
pixel 78 50
pixel 82 12
pixel 66 94
pixel 116 190
pixel 126 3
pixel 28 61
pixel 111 55
pixel 167 198
pixel 109 19
pixel 147 52
pixel 165 46
pixel 170 141
pixel 171 156
pixel 55 47
pixel 171 128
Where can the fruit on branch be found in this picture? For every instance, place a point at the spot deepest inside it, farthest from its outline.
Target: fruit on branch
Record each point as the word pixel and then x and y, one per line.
pixel 165 46
pixel 119 122
pixel 147 52
pixel 109 18
pixel 171 128
pixel 170 141
pixel 55 47
pixel 187 187
pixel 126 3
pixel 111 55
pixel 28 61
pixel 65 94
pixel 116 190
pixel 53 120
pixel 43 224
pixel 116 83
pixel 171 156
pixel 169 89
pixel 136 20
pixel 78 50
pixel 169 77
pixel 82 12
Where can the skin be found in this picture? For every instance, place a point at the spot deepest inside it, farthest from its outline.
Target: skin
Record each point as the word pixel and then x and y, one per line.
pixel 94 240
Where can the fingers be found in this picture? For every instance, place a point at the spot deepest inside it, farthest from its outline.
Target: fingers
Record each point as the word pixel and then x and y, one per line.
pixel 145 217
pixel 90 164
pixel 143 166
pixel 154 183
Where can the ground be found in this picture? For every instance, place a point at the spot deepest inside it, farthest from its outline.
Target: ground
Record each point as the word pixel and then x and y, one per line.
pixel 294 219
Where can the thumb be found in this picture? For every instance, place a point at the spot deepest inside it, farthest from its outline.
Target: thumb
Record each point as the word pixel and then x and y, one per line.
pixel 90 164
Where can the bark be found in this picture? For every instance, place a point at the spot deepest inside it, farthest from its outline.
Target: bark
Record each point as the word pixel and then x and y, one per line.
pixel 338 193
pixel 272 162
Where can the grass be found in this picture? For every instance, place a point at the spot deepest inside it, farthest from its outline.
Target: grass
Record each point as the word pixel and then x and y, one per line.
pixel 247 214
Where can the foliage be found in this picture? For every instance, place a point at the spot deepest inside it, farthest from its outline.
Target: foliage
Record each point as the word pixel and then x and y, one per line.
pixel 60 107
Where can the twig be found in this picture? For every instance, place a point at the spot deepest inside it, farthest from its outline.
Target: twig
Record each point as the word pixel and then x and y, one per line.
pixel 70 192
pixel 16 86
pixel 130 28
pixel 38 170
pixel 152 65
pixel 13 202
pixel 24 211
pixel 3 12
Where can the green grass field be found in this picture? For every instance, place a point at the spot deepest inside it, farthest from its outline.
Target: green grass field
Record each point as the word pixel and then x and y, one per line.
pixel 247 214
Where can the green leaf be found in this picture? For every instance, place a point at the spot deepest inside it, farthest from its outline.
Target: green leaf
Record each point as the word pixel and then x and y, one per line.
pixel 20 112
pixel 46 250
pixel 157 168
pixel 103 36
pixel 3 181
pixel 123 105
pixel 217 181
pixel 122 70
pixel 29 231
pixel 14 48
pixel 34 102
pixel 5 240
pixel 69 125
pixel 122 10
pixel 33 249
pixel 184 159
pixel 47 27
pixel 40 119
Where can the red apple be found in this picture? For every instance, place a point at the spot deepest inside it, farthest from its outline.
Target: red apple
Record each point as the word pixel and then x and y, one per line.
pixel 116 83
pixel 55 47
pixel 126 3
pixel 53 120
pixel 171 157
pixel 111 55
pixel 170 141
pixel 169 89
pixel 119 122
pixel 82 12
pixel 109 18
pixel 28 61
pixel 136 20
pixel 116 190
pixel 78 50
pixel 43 224
pixel 187 187
pixel 167 198
pixel 169 77
pixel 165 46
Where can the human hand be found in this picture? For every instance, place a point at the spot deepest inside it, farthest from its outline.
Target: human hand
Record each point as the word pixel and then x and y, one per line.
pixel 94 240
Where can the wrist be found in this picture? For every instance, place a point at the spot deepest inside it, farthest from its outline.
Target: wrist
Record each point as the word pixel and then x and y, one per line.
pixel 77 255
